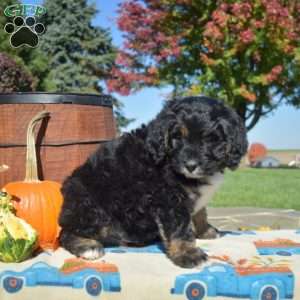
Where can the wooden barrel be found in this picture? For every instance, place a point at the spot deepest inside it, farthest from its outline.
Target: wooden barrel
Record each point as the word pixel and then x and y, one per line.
pixel 78 124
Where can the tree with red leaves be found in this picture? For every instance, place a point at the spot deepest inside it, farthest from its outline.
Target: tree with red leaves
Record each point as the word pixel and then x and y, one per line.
pixel 13 78
pixel 246 53
pixel 256 151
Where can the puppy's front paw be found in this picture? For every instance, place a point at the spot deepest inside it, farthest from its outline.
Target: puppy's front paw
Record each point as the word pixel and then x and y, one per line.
pixel 91 254
pixel 190 258
pixel 84 247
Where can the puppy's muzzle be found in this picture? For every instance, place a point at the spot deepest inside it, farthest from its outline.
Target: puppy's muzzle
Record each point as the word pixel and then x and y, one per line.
pixel 191 166
pixel 192 170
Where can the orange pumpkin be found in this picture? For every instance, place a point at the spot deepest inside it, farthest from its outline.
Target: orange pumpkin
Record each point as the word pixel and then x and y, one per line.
pixel 37 202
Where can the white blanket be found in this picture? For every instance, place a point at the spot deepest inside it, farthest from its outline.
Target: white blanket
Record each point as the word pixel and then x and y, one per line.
pixel 247 265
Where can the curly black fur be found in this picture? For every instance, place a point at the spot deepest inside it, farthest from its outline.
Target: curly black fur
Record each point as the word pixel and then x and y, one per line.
pixel 130 191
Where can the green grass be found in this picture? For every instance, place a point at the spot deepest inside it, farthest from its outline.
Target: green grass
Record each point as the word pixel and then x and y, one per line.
pixel 268 188
pixel 284 150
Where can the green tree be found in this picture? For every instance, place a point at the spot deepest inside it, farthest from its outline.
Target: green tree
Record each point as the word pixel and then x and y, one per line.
pixel 244 52
pixel 32 61
pixel 122 121
pixel 4 38
pixel 80 55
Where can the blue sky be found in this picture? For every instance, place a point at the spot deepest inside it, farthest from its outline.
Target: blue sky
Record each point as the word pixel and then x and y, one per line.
pixel 281 130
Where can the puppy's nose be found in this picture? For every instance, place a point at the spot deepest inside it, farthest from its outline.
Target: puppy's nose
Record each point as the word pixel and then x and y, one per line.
pixel 191 166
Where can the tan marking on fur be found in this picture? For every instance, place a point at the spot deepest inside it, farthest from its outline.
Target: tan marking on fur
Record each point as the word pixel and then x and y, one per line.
pixel 105 232
pixel 177 247
pixel 200 221
pixel 202 228
pixel 184 131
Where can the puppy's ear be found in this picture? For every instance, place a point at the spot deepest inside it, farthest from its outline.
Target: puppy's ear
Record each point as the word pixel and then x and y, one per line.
pixel 158 139
pixel 237 143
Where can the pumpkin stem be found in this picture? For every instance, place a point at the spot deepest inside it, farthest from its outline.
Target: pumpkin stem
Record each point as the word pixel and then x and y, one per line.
pixel 4 168
pixel 31 162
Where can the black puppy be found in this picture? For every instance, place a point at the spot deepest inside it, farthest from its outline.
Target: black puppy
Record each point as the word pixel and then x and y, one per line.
pixel 154 183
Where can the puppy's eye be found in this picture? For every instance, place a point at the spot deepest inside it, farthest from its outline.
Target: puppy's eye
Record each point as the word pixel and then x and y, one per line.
pixel 215 138
pixel 177 136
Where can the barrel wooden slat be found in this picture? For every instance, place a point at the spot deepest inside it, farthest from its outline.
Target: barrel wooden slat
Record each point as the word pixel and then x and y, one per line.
pixel 69 123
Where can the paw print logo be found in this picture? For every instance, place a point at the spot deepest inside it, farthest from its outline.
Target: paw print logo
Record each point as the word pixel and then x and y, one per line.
pixel 24 31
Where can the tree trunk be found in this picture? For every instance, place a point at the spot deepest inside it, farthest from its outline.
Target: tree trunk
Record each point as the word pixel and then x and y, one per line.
pixel 254 117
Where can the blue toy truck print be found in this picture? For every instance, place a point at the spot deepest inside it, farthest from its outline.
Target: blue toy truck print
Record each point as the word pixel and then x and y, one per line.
pixel 283 247
pixel 225 280
pixel 93 277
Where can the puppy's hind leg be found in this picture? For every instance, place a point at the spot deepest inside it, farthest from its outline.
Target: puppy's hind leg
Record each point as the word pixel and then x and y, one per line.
pixel 86 248
pixel 202 229
pixel 80 219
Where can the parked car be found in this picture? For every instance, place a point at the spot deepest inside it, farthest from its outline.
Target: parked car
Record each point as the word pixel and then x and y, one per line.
pixel 219 279
pixel 94 277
